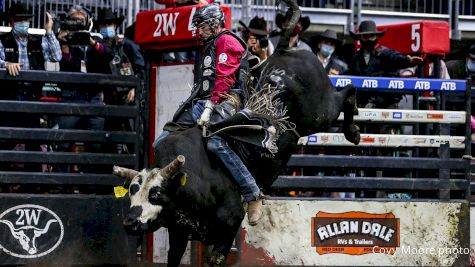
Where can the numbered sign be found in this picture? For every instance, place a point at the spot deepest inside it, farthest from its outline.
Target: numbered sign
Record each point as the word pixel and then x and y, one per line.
pixel 423 37
pixel 169 28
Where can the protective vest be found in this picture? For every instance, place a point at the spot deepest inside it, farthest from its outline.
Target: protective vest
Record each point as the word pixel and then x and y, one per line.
pixel 208 69
pixel 34 50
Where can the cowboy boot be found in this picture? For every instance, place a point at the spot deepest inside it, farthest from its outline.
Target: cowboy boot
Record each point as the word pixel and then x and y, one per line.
pixel 254 211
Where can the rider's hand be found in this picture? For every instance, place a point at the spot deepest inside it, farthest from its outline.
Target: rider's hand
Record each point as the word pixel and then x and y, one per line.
pixel 206 115
pixel 13 68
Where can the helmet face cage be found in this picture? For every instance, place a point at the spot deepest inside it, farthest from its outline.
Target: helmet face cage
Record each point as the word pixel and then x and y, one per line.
pixel 210 14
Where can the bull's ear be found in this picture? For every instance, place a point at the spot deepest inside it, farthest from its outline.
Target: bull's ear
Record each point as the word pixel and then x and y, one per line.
pixel 124 172
pixel 174 166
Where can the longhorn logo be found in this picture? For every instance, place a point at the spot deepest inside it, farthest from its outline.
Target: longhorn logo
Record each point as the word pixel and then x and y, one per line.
pixel 35 231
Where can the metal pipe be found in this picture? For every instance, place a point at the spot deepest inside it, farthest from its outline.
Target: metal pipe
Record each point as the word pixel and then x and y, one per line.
pixel 360 6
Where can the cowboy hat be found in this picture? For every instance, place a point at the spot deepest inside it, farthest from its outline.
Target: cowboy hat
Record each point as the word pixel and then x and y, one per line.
pixel 367 27
pixel 329 34
pixel 281 18
pixel 17 10
pixel 257 26
pixel 106 16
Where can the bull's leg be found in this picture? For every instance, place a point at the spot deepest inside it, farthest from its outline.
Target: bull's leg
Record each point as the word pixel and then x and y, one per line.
pixel 350 129
pixel 222 247
pixel 177 241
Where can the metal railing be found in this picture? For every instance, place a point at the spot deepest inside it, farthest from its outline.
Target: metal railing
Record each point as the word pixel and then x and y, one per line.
pixel 126 8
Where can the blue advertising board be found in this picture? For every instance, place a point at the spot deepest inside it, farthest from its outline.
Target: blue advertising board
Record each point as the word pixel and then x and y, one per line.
pixel 399 84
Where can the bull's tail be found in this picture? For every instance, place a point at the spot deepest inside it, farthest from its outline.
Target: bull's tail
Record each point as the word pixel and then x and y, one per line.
pixel 285 38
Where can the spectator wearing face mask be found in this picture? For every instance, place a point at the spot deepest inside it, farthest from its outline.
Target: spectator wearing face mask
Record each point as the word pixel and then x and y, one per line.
pixel 463 68
pixel 375 60
pixel 120 56
pixel 20 51
pixel 281 21
pixel 327 43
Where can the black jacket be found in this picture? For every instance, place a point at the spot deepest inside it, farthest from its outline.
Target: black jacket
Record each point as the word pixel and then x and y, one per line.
pixel 383 62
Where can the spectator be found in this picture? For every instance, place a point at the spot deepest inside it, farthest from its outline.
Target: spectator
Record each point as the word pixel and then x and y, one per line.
pixel 256 36
pixel 281 21
pixel 463 68
pixel 327 43
pixel 80 57
pixel 373 59
pixel 435 62
pixel 21 51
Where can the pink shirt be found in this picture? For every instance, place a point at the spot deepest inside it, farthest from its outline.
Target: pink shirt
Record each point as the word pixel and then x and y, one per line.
pixel 229 52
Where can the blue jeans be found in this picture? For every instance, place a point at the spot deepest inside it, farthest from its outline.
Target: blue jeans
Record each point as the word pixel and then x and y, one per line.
pixel 238 170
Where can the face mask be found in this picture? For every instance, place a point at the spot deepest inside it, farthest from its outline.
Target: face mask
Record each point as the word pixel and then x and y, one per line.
pixel 107 32
pixel 369 45
pixel 471 66
pixel 296 30
pixel 21 28
pixel 327 50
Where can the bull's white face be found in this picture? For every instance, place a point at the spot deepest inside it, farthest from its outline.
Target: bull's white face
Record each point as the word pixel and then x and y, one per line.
pixel 142 212
pixel 145 192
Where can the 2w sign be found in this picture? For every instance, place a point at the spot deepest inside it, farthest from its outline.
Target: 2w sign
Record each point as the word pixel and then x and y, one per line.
pixel 169 28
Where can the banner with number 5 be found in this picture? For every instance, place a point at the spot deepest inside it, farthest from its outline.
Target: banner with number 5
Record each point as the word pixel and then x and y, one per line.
pixel 422 37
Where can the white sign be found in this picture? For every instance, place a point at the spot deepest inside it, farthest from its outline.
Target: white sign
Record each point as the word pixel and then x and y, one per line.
pixel 284 236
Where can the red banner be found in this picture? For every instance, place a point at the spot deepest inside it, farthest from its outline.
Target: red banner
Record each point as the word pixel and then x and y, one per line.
pixel 169 28
pixel 422 37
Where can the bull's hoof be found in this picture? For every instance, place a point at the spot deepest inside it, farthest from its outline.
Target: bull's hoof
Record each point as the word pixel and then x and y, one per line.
pixel 352 134
pixel 217 260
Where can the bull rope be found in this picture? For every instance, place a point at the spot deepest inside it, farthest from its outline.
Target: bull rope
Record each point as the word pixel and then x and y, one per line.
pixel 266 104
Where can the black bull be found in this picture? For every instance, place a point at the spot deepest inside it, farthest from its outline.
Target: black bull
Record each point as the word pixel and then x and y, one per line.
pixel 206 204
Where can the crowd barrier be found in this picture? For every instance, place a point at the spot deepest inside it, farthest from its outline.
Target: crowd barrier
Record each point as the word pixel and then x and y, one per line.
pixel 66 218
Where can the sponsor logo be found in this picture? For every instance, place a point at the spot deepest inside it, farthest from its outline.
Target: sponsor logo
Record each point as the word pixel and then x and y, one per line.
pixel 207 61
pixel 448 86
pixel 370 83
pixel 166 24
pixel 222 58
pixel 396 84
pixel 456 116
pixel 385 114
pixel 324 138
pixel 205 85
pixel 418 141
pixel 382 140
pixel 422 85
pixel 417 116
pixel 31 231
pixel 435 116
pixel 312 139
pixel 355 233
pixel 342 82
pixel 207 72
pixel 339 139
pixel 369 115
pixel 367 140
pixel 397 115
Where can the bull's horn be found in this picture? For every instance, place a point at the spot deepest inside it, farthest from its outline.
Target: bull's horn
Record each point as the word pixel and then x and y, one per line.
pixel 124 172
pixel 173 167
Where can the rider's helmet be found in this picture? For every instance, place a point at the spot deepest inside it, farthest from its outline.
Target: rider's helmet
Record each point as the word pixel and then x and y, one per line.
pixel 211 15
